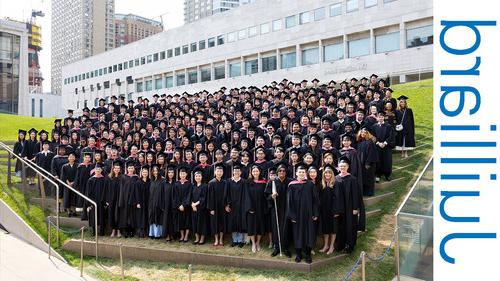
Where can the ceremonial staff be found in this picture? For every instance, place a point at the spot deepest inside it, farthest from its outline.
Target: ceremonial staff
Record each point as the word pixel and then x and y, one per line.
pixel 276 212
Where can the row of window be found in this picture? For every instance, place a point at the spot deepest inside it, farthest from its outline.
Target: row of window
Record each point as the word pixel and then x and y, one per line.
pixel 355 48
pixel 276 25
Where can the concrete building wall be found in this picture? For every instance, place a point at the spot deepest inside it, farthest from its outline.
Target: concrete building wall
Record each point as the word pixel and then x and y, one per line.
pixel 361 23
pixel 44 105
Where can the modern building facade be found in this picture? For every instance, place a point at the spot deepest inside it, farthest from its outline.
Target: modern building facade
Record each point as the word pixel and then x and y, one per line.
pixel 130 28
pixel 80 29
pixel 197 9
pixel 13 67
pixel 256 44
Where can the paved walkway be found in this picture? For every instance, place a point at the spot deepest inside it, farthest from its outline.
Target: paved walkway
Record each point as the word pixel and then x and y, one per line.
pixel 21 261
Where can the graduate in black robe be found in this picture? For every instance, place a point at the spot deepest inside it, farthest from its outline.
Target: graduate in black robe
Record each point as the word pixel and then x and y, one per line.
pixel 352 199
pixel 112 194
pixel 82 177
pixel 57 163
pixel 43 159
pixel 18 150
pixel 96 190
pixel 125 210
pixel 368 158
pixel 279 194
pixel 235 196
pixel 30 148
pixel 68 175
pixel 303 212
pixel 181 203
pixel 384 133
pixel 156 204
pixel 215 205
pixel 139 200
pixel 405 134
pixel 168 209
pixel 204 166
pixel 198 205
pixel 331 207
pixel 255 207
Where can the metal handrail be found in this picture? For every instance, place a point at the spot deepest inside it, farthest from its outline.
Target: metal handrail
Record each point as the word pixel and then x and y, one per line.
pixel 32 166
pixel 42 171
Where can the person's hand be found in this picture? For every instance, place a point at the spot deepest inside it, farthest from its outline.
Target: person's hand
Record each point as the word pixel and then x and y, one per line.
pixel 355 212
pixel 212 212
pixel 274 195
pixel 335 216
pixel 251 212
pixel 315 218
pixel 294 221
pixel 193 205
pixel 181 208
pixel 138 206
pixel 367 167
pixel 88 209
pixel 228 209
pixel 195 209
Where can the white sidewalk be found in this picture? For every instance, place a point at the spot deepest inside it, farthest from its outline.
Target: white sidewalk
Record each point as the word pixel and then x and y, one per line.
pixel 21 261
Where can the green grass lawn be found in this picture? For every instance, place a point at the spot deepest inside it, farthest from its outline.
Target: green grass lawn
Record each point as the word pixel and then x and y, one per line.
pixel 379 228
pixel 10 124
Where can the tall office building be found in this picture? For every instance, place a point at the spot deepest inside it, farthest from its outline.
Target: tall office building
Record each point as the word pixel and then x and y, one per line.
pixel 130 28
pixel 197 9
pixel 80 29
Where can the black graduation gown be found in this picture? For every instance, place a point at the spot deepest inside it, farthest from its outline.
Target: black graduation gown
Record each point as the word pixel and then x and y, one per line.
pixel 181 197
pixel 303 205
pixel 124 208
pixel 168 209
pixel 156 204
pixel 406 137
pixel 199 220
pixel 18 150
pixel 96 191
pixel 384 133
pixel 140 197
pixel 112 195
pixel 331 204
pixel 352 200
pixel 235 195
pixel 56 169
pixel 368 158
pixel 206 172
pixel 281 202
pixel 81 179
pixel 29 150
pixel 215 202
pixel 356 169
pixel 68 174
pixel 256 207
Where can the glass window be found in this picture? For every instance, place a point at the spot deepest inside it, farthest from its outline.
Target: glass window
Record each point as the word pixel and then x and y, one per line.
pixel 202 44
pixel 242 34
pixel 143 60
pixel 336 9
pixel 100 73
pixel 193 47
pixel 359 47
pixel 277 25
pixel 162 55
pixel 290 21
pixel 185 49
pixel 169 82
pixel 158 83
pixel 333 52
pixel 149 85
pixel 234 69
pixel 387 42
pixel 231 37
pixel 211 42
pixel 115 68
pixel 370 3
pixel 150 58
pixel 125 66
pixel 170 53
pixel 205 74
pixel 130 63
pixel 181 79
pixel 155 57
pixel 268 63
pixel 220 72
pixel 352 5
pixel 419 36
pixel 136 62
pixel 192 77
pixel 304 17
pixel 310 56
pixel 139 87
pixel 251 67
pixel 252 31
pixel 319 14
pixel 177 51
pixel 265 28
pixel 220 40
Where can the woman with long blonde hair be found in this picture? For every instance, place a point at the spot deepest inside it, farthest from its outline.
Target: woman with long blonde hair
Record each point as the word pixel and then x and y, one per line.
pixel 329 210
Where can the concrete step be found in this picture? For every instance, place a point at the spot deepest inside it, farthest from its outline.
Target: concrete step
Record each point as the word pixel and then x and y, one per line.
pixel 369 201
pixel 373 213
pixel 50 203
pixel 388 184
pixel 73 222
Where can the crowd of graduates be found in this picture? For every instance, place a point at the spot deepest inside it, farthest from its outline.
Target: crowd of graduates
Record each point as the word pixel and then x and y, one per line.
pixel 287 162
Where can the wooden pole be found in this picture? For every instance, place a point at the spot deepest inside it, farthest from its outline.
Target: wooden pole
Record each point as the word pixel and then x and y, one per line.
pixel 363 264
pixel 81 252
pixel 121 261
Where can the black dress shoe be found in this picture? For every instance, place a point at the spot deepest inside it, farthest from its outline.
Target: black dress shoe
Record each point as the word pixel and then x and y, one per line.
pixel 298 259
pixel 388 178
pixel 275 252
pixel 195 242
pixel 241 244
pixel 308 259
pixel 233 244
pixel 287 253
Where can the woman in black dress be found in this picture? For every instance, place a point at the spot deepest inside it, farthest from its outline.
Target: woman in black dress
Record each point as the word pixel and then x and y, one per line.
pixel 139 202
pixel 156 204
pixel 405 128
pixel 18 149
pixel 330 210
pixel 198 205
pixel 168 226
pixel 30 149
pixel 182 204
pixel 255 207
pixel 112 198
